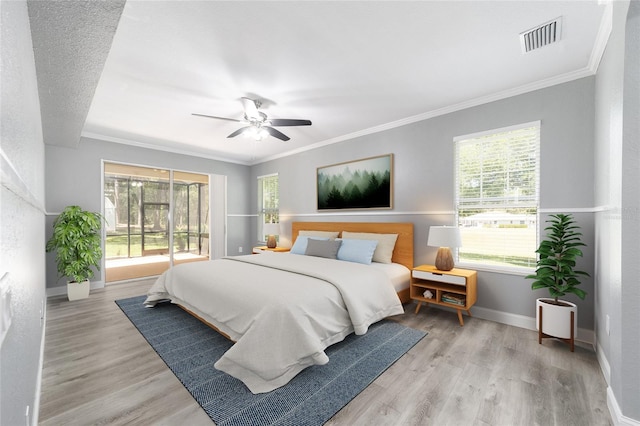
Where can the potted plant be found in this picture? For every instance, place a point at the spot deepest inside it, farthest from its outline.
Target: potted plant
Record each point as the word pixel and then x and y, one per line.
pixel 76 239
pixel 556 272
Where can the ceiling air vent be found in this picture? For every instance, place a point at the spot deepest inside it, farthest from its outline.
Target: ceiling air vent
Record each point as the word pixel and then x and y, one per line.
pixel 541 35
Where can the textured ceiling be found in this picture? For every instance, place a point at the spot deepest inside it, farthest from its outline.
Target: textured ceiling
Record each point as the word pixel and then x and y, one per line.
pixel 71 41
pixel 350 67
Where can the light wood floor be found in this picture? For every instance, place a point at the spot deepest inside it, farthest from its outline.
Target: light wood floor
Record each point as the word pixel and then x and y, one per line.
pixel 99 370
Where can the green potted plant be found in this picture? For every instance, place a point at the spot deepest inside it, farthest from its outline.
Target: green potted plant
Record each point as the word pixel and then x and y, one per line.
pixel 76 240
pixel 555 271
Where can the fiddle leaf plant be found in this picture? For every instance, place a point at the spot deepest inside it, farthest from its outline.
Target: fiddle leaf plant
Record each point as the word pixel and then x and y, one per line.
pixel 555 268
pixel 76 241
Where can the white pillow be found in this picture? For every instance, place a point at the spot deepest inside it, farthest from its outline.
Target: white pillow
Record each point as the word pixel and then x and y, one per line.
pixel 325 234
pixel 386 244
pixel 359 251
pixel 300 246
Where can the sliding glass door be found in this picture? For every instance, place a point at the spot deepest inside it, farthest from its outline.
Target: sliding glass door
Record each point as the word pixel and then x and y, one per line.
pixel 191 212
pixel 139 204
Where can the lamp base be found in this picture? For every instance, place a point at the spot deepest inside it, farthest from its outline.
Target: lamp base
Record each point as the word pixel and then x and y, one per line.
pixel 271 241
pixel 444 259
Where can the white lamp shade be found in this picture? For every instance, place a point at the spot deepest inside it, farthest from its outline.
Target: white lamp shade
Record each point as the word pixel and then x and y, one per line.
pixel 444 236
pixel 271 229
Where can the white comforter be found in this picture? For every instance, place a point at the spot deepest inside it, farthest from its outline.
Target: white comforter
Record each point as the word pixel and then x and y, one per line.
pixel 282 310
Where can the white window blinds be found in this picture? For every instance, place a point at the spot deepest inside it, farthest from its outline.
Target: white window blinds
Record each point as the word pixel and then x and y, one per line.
pixel 268 202
pixel 497 195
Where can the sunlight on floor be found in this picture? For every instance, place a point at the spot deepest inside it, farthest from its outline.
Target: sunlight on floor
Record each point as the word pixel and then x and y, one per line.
pixel 138 267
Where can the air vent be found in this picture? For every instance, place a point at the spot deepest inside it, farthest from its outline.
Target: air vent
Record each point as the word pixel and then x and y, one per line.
pixel 541 35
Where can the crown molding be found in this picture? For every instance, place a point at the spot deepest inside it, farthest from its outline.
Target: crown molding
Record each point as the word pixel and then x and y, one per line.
pixel 124 141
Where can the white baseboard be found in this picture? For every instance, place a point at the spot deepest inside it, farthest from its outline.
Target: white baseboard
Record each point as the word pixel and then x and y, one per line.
pixel 604 364
pixel 616 415
pixel 584 335
pixel 62 290
pixel 36 401
pixel 522 321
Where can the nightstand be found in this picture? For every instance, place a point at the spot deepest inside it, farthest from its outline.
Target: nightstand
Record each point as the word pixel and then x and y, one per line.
pixel 455 289
pixel 262 249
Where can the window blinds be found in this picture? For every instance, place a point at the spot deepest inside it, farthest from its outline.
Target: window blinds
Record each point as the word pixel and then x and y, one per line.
pixel 497 195
pixel 268 202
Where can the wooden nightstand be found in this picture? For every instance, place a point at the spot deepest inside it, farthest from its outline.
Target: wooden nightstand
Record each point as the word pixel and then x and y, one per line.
pixel 262 249
pixel 455 289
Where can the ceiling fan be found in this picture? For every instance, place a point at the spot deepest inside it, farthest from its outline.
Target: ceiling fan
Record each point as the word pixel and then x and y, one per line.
pixel 260 126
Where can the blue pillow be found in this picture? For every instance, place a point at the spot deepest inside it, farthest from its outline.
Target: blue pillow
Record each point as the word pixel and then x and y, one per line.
pixel 359 251
pixel 300 246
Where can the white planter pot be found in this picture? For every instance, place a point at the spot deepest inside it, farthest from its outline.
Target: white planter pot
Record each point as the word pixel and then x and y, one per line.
pixel 76 291
pixel 556 319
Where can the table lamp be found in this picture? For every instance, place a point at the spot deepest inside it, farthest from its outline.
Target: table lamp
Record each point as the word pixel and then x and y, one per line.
pixel 444 237
pixel 271 230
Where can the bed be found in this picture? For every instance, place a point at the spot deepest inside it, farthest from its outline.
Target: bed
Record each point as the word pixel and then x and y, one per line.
pixel 283 310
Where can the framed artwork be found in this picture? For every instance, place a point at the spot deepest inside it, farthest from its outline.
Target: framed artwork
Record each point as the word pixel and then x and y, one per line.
pixel 359 184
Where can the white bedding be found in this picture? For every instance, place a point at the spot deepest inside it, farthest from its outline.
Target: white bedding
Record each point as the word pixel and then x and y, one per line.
pixel 399 275
pixel 281 310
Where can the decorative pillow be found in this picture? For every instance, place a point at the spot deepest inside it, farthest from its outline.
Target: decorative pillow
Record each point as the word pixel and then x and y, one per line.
pixel 323 248
pixel 300 246
pixel 325 234
pixel 359 251
pixel 386 244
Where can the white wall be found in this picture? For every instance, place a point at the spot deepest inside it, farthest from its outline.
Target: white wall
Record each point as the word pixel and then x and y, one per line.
pixel 21 219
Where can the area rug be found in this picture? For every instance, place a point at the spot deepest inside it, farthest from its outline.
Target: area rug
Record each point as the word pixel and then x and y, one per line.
pixel 190 348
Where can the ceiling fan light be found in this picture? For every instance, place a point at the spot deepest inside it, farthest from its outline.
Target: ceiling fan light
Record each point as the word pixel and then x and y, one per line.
pixel 250 132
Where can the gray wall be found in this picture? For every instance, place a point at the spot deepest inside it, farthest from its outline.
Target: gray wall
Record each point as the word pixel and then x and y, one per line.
pixel 608 185
pixel 21 219
pixel 618 225
pixel 424 182
pixel 627 391
pixel 73 176
pixel 423 195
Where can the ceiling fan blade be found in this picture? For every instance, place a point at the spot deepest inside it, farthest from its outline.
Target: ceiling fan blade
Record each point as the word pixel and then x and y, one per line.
pixel 289 122
pixel 218 118
pixel 237 132
pixel 250 108
pixel 276 133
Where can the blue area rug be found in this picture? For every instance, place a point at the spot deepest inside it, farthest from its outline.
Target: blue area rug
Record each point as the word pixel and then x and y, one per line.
pixel 190 348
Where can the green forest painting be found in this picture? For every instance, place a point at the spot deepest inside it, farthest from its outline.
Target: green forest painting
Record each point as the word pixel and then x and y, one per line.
pixel 360 184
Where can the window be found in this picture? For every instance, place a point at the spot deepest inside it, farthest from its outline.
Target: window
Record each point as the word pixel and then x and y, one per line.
pixel 497 196
pixel 268 202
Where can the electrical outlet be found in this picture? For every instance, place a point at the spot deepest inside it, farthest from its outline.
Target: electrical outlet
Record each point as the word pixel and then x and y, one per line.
pixel 239 249
pixel 607 324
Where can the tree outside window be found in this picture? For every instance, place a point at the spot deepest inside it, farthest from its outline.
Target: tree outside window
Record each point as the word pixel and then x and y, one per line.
pixel 268 202
pixel 497 196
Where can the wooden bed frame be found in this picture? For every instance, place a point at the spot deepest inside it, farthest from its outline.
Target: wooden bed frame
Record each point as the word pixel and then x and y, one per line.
pixel 402 253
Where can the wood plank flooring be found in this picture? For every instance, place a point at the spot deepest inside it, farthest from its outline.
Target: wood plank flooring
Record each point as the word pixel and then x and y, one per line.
pixel 98 370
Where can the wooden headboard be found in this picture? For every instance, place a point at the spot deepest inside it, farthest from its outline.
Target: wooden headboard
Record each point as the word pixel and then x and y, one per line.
pixel 403 251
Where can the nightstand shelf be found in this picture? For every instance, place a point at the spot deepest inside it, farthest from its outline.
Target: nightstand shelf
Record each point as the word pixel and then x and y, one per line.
pixel 262 249
pixel 455 289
